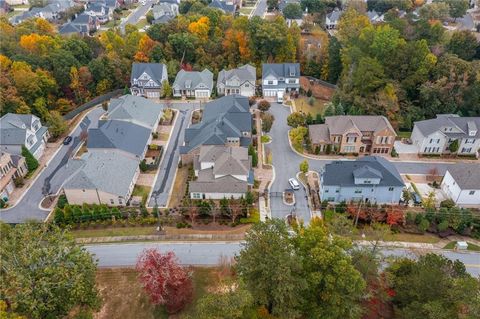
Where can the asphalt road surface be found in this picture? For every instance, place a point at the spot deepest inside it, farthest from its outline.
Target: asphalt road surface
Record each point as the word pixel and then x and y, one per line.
pixel 260 9
pixel 137 14
pixel 286 164
pixel 209 253
pixel 50 180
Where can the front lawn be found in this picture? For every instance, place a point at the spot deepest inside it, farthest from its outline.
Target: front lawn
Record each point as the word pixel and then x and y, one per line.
pixel 114 232
pixel 404 134
pixel 143 191
pixel 302 105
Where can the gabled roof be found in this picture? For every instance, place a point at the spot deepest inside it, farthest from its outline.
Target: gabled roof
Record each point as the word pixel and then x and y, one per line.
pixel 223 6
pixel 196 78
pixel 13 128
pixel 154 70
pixel 467 176
pixel 117 134
pixel 109 171
pixel 135 109
pixel 226 160
pixel 334 16
pixel 339 124
pixel 281 70
pixel 83 18
pixel 69 28
pixel 430 126
pixel 319 133
pixel 244 73
pixel 342 173
pixel 228 116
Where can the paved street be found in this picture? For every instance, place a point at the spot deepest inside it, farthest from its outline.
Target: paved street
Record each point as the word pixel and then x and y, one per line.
pixel 260 9
pixel 209 253
pixel 168 166
pixel 135 16
pixel 50 179
pixel 286 164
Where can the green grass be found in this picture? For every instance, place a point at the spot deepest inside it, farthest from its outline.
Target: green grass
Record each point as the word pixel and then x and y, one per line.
pixel 301 104
pixel 471 247
pixel 404 134
pixel 143 191
pixel 265 139
pixel 246 11
pixel 403 237
pixel 113 232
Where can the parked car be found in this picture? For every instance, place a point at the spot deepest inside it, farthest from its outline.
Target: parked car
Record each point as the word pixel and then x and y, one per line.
pixel 67 140
pixel 417 200
pixel 293 182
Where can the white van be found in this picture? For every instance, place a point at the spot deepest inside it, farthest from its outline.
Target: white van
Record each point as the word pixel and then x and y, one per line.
pixel 293 182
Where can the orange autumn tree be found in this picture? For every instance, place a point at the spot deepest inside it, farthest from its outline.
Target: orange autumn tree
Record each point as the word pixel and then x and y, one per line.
pixel 236 44
pixel 145 47
pixel 200 28
pixel 37 44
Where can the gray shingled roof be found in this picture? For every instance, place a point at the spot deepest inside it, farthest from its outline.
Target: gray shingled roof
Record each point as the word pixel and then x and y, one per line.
pixel 228 116
pixel 244 73
pixel 196 80
pixel 154 70
pixel 467 176
pixel 335 15
pixel 68 28
pixel 109 171
pixel 222 5
pixel 135 109
pixel 13 128
pixel 123 135
pixel 227 160
pixel 206 183
pixel 428 127
pixel 281 70
pixel 340 123
pixel 341 173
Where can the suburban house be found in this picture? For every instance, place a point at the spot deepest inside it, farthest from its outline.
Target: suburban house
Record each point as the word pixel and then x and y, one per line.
pixel 99 10
pixel 135 109
pixel 462 183
pixel 104 177
pixel 362 134
pixel 11 167
pixel 165 11
pixel 4 7
pixel 51 11
pixel 371 179
pixel 375 17
pixel 224 6
pixel 331 19
pixel 280 78
pixel 222 172
pixel 237 81
pixel 83 24
pixel 108 171
pixel 193 84
pixel 147 79
pixel 434 136
pixel 226 121
pixel 17 130
pixel 130 138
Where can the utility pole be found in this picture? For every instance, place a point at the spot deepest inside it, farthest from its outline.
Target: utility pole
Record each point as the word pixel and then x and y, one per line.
pixel 358 212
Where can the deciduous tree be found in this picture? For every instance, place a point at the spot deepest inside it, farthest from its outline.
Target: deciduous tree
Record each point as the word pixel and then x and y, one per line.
pixel 165 281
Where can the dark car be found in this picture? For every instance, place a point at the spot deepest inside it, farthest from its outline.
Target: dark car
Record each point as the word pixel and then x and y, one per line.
pixel 67 140
pixel 417 200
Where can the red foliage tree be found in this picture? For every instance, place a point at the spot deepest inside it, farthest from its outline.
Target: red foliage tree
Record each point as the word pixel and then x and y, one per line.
pixel 165 281
pixel 395 217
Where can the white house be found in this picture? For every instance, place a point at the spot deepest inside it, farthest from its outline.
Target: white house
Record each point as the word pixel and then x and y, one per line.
pixel 280 78
pixel 434 136
pixel 462 184
pixel 17 130
pixel 194 84
pixel 237 81
pixel 147 79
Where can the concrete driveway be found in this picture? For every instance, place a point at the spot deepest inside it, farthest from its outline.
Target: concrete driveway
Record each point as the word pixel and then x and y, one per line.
pixel 168 165
pixel 51 179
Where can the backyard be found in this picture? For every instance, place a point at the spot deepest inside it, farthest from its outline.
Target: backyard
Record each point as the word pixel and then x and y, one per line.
pixel 302 105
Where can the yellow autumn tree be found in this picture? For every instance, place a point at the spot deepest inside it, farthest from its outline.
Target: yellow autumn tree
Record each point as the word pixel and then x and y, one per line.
pixel 200 28
pixel 37 44
pixel 145 47
pixel 44 27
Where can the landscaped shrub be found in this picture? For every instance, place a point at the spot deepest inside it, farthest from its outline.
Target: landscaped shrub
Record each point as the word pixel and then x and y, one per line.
pixel 32 163
pixel 62 201
pixel 448 203
pixel 263 105
pixel 143 166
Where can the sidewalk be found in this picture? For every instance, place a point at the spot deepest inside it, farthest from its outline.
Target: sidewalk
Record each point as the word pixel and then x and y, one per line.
pixel 166 237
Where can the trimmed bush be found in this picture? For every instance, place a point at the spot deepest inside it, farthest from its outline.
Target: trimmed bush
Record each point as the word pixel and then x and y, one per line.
pixel 32 163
